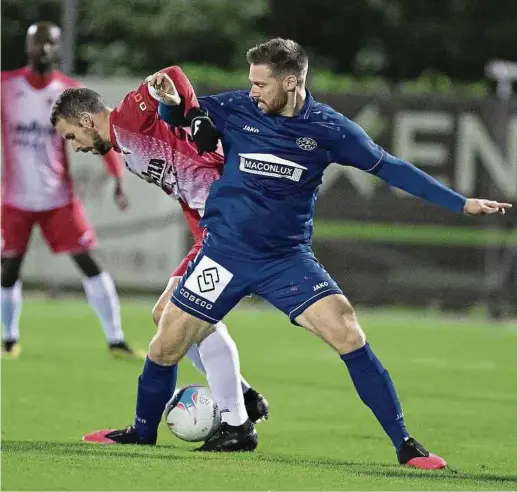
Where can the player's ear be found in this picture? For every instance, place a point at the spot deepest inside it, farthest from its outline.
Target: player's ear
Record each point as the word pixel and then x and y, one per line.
pixel 290 83
pixel 86 120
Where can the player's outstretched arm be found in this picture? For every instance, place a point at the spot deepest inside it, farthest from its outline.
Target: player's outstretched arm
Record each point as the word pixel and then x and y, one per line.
pixel 407 177
pixel 358 150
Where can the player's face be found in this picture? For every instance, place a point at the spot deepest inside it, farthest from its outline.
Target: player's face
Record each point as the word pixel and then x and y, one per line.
pixel 42 45
pixel 83 139
pixel 267 90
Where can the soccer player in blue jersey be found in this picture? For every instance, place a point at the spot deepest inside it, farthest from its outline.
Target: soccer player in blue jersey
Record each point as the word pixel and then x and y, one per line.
pixel 277 142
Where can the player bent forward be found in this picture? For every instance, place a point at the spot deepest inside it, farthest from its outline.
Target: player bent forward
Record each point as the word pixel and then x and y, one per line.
pixel 170 161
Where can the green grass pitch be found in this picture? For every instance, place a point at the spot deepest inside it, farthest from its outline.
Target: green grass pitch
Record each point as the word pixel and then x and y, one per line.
pixel 457 380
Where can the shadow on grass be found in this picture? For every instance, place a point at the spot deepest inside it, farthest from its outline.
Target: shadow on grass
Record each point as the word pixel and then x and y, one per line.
pixel 169 452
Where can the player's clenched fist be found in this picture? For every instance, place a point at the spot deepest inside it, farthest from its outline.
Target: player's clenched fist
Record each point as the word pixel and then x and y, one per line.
pixel 165 88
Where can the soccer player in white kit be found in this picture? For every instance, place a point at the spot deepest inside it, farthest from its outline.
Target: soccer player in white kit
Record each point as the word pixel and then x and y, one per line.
pixel 37 189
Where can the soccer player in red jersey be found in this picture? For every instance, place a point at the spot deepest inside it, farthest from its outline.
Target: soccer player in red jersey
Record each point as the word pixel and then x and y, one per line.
pixel 167 158
pixel 37 189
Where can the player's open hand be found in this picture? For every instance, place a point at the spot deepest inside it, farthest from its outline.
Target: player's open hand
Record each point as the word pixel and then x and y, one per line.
pixel 165 88
pixel 120 197
pixel 477 206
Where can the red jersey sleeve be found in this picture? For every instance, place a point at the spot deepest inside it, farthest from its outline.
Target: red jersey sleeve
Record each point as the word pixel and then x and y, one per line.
pixel 138 110
pixel 113 164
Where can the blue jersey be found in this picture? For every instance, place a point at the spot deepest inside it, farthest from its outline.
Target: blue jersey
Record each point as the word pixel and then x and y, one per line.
pixel 263 204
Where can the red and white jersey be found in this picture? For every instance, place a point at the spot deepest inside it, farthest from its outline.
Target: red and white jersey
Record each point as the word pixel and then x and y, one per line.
pixel 160 154
pixel 35 168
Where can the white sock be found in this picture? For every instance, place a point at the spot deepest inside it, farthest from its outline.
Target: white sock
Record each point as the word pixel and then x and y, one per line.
pixel 103 298
pixel 221 360
pixel 193 355
pixel 11 308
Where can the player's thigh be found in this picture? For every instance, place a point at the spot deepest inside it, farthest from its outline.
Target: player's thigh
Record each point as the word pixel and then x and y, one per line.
pixel 66 229
pixel 177 332
pixel 333 319
pixel 302 288
pixel 212 285
pixel 294 283
pixel 175 277
pixel 16 230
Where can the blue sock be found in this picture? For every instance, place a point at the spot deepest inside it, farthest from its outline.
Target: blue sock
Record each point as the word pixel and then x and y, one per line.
pixel 376 390
pixel 155 388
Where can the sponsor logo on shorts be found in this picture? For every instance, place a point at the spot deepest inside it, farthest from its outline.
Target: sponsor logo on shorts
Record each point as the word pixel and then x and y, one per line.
pixel 320 286
pixel 208 280
pixel 196 300
pixel 271 165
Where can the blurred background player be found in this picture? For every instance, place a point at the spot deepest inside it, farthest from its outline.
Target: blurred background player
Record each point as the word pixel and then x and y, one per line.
pixel 168 159
pixel 37 189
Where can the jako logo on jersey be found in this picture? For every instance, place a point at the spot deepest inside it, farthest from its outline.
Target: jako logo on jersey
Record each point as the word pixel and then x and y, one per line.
pixel 306 143
pixel 251 129
pixel 271 165
pixel 320 286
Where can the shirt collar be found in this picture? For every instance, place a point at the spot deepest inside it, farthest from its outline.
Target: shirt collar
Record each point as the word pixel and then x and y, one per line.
pixel 39 81
pixel 307 105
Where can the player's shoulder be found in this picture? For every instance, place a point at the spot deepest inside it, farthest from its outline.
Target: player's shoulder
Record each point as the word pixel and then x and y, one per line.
pixel 8 75
pixel 328 118
pixel 325 114
pixel 232 99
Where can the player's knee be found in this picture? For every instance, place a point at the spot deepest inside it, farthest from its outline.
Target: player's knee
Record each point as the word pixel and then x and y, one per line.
pixel 163 352
pixel 10 271
pixel 349 336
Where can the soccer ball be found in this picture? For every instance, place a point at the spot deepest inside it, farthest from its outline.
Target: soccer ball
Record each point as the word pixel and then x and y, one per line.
pixel 192 414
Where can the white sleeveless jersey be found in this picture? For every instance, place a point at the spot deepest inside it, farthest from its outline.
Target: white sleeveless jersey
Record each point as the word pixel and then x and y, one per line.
pixel 35 165
pixel 35 168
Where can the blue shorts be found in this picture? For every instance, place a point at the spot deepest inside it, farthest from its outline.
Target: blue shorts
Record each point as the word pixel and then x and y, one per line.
pixel 214 283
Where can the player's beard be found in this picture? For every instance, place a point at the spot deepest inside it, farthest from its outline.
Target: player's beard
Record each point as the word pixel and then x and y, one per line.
pixel 101 146
pixel 277 104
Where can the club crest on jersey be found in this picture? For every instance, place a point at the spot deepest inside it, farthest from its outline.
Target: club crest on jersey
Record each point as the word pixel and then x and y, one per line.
pixel 270 165
pixel 306 143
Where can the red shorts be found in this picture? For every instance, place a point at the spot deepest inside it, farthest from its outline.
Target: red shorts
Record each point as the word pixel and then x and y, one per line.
pixel 182 267
pixel 65 229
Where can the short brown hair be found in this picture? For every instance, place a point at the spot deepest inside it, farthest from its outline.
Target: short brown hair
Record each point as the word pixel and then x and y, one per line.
pixel 283 56
pixel 74 101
